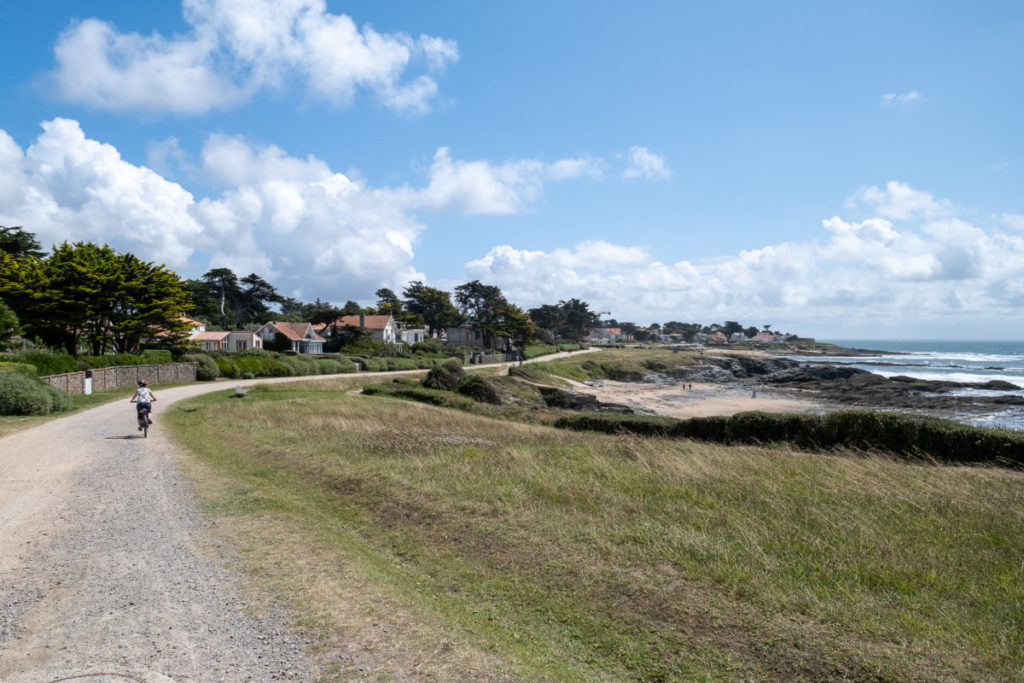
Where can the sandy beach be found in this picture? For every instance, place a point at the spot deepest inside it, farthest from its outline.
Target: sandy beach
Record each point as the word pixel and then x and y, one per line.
pixel 694 400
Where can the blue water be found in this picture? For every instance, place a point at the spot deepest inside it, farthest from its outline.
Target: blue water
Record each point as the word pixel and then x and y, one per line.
pixel 955 361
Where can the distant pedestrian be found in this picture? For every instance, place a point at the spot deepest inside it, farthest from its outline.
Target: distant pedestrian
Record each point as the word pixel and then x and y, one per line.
pixel 753 394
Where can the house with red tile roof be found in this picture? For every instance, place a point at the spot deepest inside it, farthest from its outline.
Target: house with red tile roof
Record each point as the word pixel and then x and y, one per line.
pixel 383 327
pixel 237 340
pixel 302 336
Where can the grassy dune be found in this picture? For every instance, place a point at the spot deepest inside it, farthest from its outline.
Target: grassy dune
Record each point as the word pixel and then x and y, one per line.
pixel 419 542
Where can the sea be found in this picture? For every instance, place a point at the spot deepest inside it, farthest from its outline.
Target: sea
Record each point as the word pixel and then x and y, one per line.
pixel 955 361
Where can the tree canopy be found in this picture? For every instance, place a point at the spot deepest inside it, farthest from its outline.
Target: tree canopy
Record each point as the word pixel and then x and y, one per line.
pixel 87 293
pixel 433 305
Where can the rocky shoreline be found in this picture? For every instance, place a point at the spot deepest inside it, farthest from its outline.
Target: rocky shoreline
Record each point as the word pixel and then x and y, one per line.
pixel 842 386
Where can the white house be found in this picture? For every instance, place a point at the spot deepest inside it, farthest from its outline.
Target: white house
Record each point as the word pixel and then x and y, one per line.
pixel 227 341
pixel 301 335
pixel 410 335
pixel 383 327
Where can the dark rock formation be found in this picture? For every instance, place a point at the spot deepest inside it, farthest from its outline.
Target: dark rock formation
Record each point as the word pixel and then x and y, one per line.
pixel 570 400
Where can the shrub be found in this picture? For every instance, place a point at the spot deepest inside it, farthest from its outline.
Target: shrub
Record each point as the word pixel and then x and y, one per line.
pixel 423 395
pixel 21 368
pixel 901 434
pixel 206 368
pixel 60 399
pixel 48 362
pixel 227 368
pixel 156 357
pixel 535 350
pixel 445 377
pixel 21 395
pixel 568 347
pixel 401 364
pixel 430 346
pixel 479 389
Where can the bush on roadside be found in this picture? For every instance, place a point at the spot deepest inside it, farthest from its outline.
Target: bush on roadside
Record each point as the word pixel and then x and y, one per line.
pixel 535 350
pixel 23 395
pixel 206 367
pixel 47 362
pixel 60 399
pixel 21 368
pixel 227 368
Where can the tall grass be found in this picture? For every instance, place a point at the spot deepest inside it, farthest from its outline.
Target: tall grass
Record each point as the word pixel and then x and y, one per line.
pixel 456 546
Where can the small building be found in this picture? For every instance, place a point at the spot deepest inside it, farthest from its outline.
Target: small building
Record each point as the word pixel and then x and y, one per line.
pixel 383 327
pixel 410 335
pixel 237 340
pixel 302 336
pixel 465 335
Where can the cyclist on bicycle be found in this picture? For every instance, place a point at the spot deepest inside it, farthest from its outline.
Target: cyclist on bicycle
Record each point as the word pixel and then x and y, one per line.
pixel 143 398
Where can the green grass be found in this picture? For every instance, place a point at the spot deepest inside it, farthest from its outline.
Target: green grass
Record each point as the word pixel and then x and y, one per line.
pixel 451 545
pixel 10 424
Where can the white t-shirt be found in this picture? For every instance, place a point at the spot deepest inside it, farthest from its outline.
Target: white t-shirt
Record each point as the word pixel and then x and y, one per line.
pixel 143 395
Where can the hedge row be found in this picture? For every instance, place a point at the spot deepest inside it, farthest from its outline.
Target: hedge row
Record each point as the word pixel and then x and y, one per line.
pixel 897 433
pixel 391 363
pixel 58 362
pixel 23 393
pixel 249 366
pixel 535 350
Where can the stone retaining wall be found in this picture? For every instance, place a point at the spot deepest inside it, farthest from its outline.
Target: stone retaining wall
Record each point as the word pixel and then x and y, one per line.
pixel 124 376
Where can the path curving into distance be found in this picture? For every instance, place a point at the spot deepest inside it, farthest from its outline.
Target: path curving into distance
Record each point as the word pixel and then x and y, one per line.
pixel 102 572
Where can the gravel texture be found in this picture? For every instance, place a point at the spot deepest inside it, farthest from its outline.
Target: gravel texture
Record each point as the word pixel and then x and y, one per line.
pixel 103 571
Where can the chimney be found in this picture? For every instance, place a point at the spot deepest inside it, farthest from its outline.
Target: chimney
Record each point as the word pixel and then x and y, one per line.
pixel 362 320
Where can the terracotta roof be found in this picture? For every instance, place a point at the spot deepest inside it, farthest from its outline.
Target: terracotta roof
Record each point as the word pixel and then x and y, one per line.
pixel 294 331
pixel 370 322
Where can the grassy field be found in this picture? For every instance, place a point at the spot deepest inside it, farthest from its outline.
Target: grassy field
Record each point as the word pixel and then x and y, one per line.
pixel 417 542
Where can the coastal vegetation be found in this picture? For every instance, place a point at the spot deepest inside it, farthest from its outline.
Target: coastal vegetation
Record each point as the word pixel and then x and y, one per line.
pixel 913 436
pixel 466 543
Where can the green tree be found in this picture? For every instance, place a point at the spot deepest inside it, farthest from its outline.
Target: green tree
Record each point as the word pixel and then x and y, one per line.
pixel 434 306
pixel 731 327
pixel 482 306
pixel 19 243
pixel 87 292
pixel 9 326
pixel 223 292
pixel 517 327
pixel 253 299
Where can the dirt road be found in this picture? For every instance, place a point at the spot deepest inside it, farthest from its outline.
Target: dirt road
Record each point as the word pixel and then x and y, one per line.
pixel 102 569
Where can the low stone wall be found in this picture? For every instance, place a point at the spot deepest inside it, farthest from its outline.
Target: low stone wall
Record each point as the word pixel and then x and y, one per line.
pixel 124 376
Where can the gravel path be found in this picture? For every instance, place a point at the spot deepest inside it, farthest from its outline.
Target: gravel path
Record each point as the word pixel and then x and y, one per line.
pixel 102 572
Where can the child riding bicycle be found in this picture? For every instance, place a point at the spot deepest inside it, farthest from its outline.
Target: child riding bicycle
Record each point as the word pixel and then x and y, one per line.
pixel 143 398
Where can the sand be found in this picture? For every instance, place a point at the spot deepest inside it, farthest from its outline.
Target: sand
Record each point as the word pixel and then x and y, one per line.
pixel 702 400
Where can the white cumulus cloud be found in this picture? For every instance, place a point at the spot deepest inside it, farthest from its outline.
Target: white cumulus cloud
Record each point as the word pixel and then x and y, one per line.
pixel 237 48
pixel 481 187
pixel 944 275
pixel 899 201
pixel 304 227
pixel 645 164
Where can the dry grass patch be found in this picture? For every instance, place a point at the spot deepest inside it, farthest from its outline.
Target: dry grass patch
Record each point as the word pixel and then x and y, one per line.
pixel 541 554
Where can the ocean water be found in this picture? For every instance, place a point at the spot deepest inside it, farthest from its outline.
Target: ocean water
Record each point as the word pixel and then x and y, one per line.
pixel 955 361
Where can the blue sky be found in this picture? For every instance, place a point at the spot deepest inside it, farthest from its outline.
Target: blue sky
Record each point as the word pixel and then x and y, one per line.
pixel 850 170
